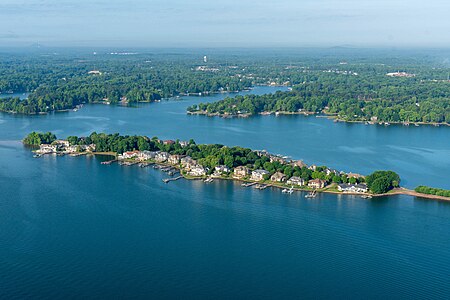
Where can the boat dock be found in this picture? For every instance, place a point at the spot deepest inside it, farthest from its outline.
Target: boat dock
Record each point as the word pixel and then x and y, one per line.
pixel 167 180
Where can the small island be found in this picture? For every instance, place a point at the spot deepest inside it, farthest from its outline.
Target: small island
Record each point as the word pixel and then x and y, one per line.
pixel 207 162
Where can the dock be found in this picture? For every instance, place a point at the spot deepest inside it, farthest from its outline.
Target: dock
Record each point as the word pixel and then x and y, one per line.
pixel 167 180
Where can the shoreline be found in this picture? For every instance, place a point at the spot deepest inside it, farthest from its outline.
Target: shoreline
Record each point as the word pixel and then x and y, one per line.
pixel 328 189
pixel 318 115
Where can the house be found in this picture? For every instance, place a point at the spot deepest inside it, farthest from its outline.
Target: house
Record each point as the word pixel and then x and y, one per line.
pixel 352 188
pixel 162 156
pixel 312 167
pixel 187 162
pixel 184 144
pixel 175 159
pixel 88 148
pixel 197 170
pixel 73 149
pixel 294 180
pixel 298 163
pixel 354 175
pixel 241 172
pixel 95 72
pixel 279 159
pixel 278 177
pixel 46 148
pixel 146 155
pixel 258 175
pixel 221 169
pixel 317 183
pixel 129 154
pixel 169 142
pixel 61 143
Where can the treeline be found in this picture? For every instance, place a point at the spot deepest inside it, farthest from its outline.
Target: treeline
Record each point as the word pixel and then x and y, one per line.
pixel 380 182
pixel 351 98
pixel 37 138
pixel 432 191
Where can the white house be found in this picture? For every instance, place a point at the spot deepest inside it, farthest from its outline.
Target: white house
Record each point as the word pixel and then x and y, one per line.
pixel 162 156
pixel 258 175
pixel 352 188
pixel 197 170
pixel 294 180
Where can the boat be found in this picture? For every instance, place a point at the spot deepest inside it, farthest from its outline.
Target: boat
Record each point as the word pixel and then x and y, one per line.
pixel 366 196
pixel 36 155
pixel 311 194
pixel 208 180
pixel 288 191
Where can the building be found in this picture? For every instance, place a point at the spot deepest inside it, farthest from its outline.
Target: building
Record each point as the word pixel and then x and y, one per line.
pixel 46 148
pixel 187 162
pixel 162 156
pixel 168 142
pixel 146 155
pixel 197 171
pixel 312 167
pixel 354 175
pixel 258 175
pixel 298 163
pixel 129 154
pixel 61 143
pixel 241 172
pixel 221 169
pixel 175 159
pixel 278 177
pixel 352 188
pixel 294 180
pixel 317 183
pixel 184 144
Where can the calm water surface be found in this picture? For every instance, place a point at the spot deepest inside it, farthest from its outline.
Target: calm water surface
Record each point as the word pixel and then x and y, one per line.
pixel 71 226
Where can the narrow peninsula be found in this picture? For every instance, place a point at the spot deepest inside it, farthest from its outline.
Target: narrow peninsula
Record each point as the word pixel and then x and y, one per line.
pixel 207 162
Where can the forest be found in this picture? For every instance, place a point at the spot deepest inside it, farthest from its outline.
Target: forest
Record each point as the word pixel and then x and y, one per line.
pixel 349 98
pixel 351 85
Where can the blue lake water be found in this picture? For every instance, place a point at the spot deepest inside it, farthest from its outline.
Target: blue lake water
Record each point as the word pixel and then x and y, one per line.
pixel 73 227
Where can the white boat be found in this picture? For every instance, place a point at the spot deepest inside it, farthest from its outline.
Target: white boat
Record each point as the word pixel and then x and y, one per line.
pixel 311 194
pixel 288 191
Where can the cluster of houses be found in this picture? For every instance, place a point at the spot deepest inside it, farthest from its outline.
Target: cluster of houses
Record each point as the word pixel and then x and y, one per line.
pixel 193 168
pixel 63 146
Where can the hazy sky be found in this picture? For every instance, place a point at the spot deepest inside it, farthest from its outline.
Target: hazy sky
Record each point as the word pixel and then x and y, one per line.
pixel 229 23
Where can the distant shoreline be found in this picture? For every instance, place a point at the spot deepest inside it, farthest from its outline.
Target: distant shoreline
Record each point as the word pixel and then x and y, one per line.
pixel 308 113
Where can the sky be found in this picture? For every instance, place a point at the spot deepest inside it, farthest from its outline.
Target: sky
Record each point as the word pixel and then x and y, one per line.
pixel 225 23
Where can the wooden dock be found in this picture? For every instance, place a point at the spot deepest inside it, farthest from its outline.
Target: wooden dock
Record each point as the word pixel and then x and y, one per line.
pixel 167 180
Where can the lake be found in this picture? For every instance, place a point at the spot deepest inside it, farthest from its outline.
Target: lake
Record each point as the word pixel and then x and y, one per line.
pixel 71 226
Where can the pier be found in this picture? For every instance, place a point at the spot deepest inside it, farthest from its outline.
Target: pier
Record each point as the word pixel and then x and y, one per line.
pixel 167 180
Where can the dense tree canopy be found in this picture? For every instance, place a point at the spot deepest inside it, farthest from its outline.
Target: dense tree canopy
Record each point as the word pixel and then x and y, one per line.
pixel 380 182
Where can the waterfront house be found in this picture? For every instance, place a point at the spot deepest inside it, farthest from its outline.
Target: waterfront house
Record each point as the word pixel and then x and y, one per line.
pixel 317 183
pixel 278 177
pixel 47 148
pixel 61 144
pixel 146 155
pixel 354 175
pixel 219 170
pixel 175 159
pixel 162 157
pixel 312 167
pixel 72 149
pixel 129 154
pixel 187 163
pixel 298 163
pixel 276 158
pixel 197 171
pixel 258 175
pixel 352 188
pixel 241 172
pixel 294 180
pixel 88 148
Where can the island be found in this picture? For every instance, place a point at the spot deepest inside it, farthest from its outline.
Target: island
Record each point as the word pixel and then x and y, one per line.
pixel 207 162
